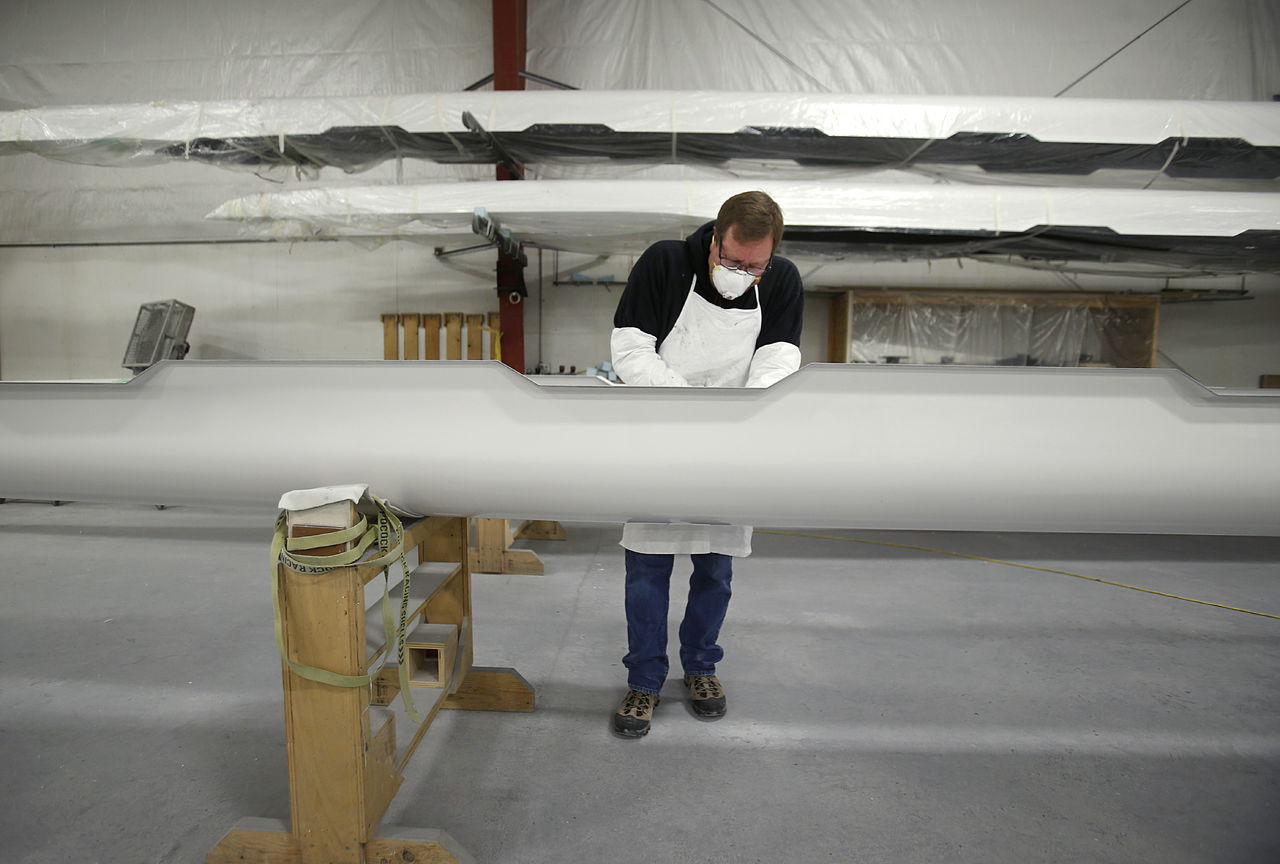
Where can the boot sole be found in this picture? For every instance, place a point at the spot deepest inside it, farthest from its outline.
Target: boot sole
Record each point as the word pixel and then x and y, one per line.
pixel 630 733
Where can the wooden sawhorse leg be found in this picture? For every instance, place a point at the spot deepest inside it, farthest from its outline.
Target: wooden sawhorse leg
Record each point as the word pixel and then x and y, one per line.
pixel 493 552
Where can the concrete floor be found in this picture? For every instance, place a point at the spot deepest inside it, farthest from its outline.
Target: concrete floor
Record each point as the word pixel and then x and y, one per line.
pixel 886 704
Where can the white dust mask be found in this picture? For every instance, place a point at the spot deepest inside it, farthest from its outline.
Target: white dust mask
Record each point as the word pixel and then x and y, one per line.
pixel 731 284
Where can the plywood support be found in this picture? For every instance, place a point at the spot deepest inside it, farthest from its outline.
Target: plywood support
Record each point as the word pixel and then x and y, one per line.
pixel 492 689
pixel 344 768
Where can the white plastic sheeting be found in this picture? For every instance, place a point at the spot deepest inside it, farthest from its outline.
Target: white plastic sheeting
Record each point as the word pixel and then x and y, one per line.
pixel 74 52
pixel 588 209
pixel 284 131
pixel 664 111
pixel 995 449
pixel 191 61
pixel 1211 49
pixel 66 52
pixel 889 221
pixel 999 332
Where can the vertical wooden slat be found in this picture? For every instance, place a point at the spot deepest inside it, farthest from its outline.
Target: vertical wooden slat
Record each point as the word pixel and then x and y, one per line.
pixel 390 337
pixel 410 325
pixel 495 336
pixel 431 335
pixel 838 347
pixel 453 336
pixel 1154 359
pixel 475 337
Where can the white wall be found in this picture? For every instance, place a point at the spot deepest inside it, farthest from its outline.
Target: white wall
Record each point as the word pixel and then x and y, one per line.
pixel 1227 343
pixel 67 312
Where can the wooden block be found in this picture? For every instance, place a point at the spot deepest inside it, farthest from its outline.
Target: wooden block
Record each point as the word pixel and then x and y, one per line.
pixel 256 841
pixel 390 337
pixel 268 841
pixel 522 561
pixel 453 336
pixel 491 542
pixel 409 323
pixel 430 651
pixel 450 543
pixel 325 519
pixel 427 635
pixel 396 845
pixel 541 529
pixel 492 689
pixel 1269 381
pixel 431 336
pixel 475 337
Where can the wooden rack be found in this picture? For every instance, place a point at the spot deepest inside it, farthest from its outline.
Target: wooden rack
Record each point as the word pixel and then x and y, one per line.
pixel 402 334
pixel 345 766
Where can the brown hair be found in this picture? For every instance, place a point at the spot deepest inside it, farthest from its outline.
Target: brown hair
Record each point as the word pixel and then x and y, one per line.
pixel 755 216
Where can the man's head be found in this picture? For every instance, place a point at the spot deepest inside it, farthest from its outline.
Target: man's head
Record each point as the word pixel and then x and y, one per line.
pixel 747 231
pixel 750 217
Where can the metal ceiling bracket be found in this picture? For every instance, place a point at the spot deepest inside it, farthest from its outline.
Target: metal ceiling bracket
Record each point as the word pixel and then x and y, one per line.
pixel 490 229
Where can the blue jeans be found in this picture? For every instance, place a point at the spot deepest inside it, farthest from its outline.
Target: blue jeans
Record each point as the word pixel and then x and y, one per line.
pixel 648 593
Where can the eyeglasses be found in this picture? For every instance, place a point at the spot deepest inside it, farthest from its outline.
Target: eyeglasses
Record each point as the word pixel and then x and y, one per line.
pixel 734 264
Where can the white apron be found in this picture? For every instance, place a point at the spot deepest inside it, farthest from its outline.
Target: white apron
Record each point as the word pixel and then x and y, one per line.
pixel 710 347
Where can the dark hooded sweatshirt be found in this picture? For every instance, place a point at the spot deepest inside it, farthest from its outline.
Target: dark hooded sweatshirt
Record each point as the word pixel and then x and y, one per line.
pixel 659 285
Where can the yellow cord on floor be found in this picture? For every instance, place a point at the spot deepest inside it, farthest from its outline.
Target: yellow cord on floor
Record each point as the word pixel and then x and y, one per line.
pixel 1024 566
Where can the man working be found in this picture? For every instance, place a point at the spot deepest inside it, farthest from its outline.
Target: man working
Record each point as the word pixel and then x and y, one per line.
pixel 717 309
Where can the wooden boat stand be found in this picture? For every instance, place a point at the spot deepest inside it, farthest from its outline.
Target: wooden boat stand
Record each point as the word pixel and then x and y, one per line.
pixel 344 765
pixel 493 552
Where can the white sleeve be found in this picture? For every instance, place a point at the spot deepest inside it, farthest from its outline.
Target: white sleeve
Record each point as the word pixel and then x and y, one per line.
pixel 772 363
pixel 636 360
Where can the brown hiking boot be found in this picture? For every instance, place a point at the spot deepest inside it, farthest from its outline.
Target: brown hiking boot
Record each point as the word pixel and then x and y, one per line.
pixel 707 696
pixel 634 714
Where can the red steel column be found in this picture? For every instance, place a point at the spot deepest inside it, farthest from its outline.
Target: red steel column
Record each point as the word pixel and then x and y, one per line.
pixel 509 47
